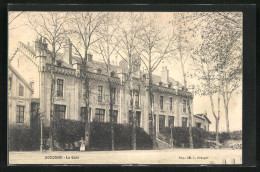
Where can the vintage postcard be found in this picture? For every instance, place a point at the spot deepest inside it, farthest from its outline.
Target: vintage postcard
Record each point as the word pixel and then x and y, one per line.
pixel 125 87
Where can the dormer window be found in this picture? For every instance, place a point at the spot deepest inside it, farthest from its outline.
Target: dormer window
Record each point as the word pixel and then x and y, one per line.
pixel 112 74
pixel 169 85
pixel 59 63
pixel 160 83
pixel 99 71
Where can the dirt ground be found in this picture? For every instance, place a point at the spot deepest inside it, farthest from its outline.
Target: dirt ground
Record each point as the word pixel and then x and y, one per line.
pixel 170 156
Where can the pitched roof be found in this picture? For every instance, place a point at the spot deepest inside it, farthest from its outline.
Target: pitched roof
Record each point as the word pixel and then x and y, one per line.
pixel 19 76
pixel 203 116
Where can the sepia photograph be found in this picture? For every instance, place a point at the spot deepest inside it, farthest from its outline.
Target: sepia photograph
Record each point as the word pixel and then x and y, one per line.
pixel 99 87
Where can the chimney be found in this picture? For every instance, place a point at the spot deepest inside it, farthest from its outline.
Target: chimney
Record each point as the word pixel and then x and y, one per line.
pixel 40 45
pixel 165 75
pixel 67 51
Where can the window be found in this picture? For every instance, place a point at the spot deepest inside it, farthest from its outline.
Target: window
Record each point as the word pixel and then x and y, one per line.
pixel 137 99
pixel 171 121
pixel 184 121
pixel 99 71
pixel 115 116
pixel 100 115
pixel 138 118
pixel 112 74
pixel 100 93
pixel 59 111
pixel 21 90
pixel 171 107
pixel 161 122
pixel 59 88
pixel 198 124
pixel 19 114
pixel 10 83
pixel 113 91
pixel 59 63
pixel 184 102
pixel 161 102
pixel 84 115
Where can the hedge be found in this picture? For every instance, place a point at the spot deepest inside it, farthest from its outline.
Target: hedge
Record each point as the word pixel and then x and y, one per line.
pixel 26 138
pixel 66 132
pixel 181 136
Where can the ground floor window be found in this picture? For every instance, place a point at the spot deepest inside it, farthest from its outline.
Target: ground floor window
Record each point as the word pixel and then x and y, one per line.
pixel 161 122
pixel 115 116
pixel 170 121
pixel 20 114
pixel 184 121
pixel 198 124
pixel 84 115
pixel 100 115
pixel 151 123
pixel 138 118
pixel 59 111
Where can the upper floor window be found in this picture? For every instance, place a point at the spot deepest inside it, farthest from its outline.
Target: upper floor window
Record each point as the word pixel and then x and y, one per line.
pixel 184 104
pixel 100 93
pixel 59 111
pixel 171 106
pixel 161 102
pixel 10 83
pixel 113 91
pixel 21 90
pixel 19 114
pixel 137 97
pixel 60 88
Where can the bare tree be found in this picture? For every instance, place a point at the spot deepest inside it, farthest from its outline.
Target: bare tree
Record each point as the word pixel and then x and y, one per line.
pixel 51 27
pixel 183 32
pixel 128 50
pixel 228 26
pixel 12 16
pixel 84 28
pixel 156 47
pixel 106 47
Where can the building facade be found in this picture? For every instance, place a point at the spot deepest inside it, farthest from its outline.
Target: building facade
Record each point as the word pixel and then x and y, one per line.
pixel 201 121
pixel 19 98
pixel 33 63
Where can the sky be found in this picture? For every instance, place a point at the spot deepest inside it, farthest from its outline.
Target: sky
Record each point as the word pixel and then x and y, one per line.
pixel 19 32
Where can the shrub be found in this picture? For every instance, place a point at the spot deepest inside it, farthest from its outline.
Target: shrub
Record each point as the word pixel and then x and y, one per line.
pixel 181 136
pixel 67 131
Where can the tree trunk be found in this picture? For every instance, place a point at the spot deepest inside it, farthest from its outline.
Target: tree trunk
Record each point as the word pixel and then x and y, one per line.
pixel 227 118
pixel 150 91
pixel 226 111
pixel 132 106
pixel 190 125
pixel 217 133
pixel 111 104
pixel 52 108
